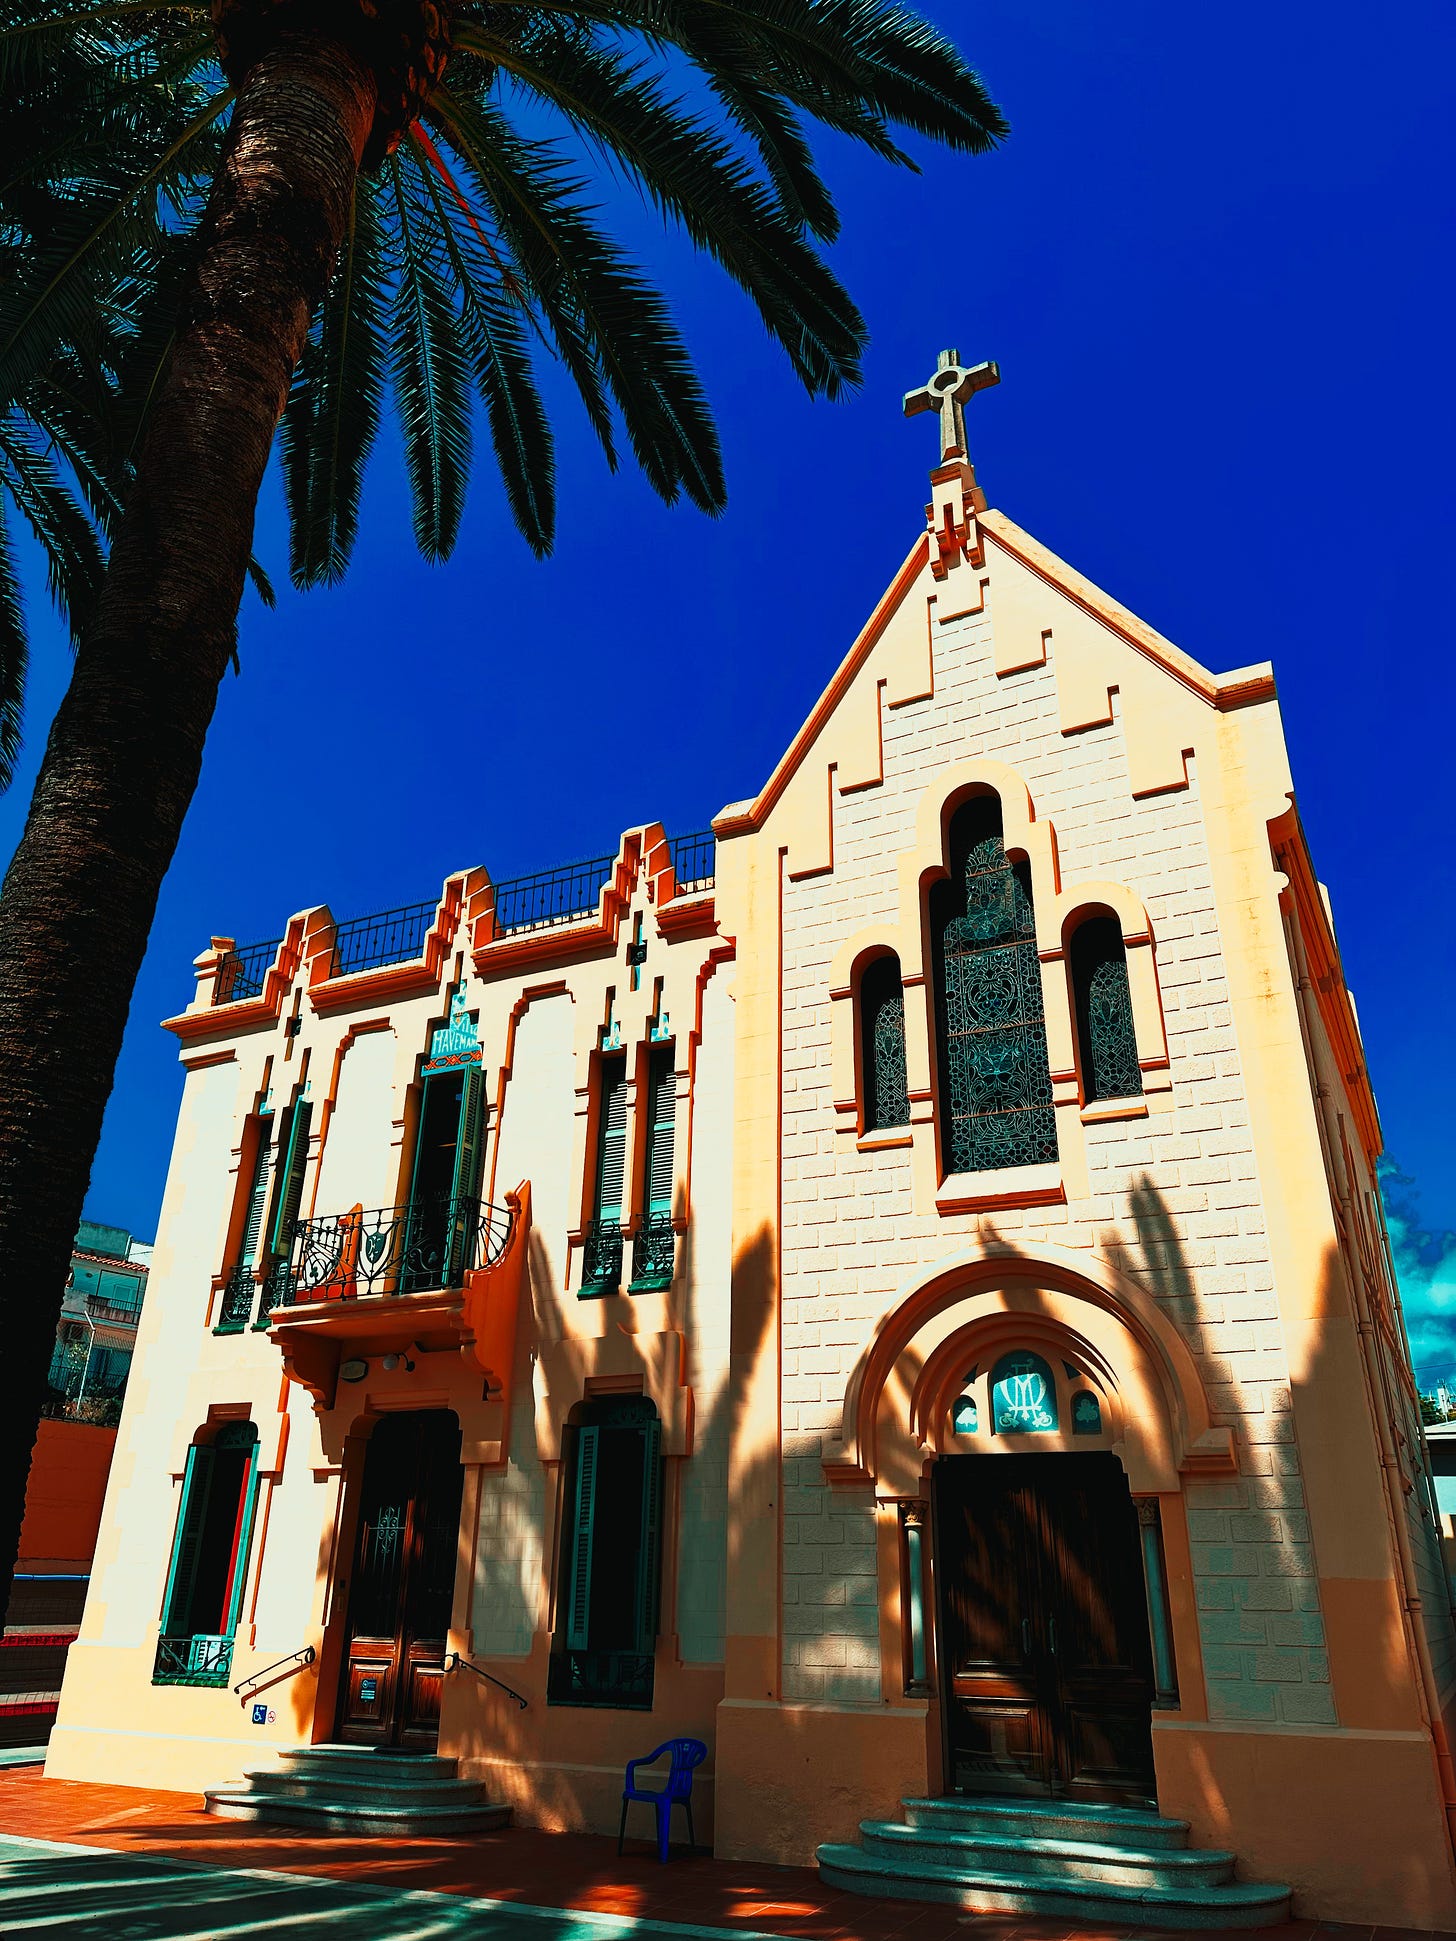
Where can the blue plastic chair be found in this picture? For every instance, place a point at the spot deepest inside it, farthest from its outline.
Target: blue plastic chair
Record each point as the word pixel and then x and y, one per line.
pixel 687 1756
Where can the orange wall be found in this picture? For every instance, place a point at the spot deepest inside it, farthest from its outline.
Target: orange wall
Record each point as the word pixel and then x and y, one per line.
pixel 63 1497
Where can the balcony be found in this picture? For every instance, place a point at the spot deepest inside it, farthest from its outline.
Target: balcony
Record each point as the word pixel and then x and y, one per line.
pixel 620 1681
pixel 654 1252
pixel 427 1274
pixel 195 1660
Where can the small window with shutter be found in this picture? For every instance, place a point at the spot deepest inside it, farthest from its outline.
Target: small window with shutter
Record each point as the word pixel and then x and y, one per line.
pixel 654 1242
pixel 611 1553
pixel 602 1267
pixel 287 1187
pixel 236 1307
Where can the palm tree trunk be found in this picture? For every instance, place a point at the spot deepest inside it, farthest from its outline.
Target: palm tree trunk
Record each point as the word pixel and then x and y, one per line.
pixel 125 749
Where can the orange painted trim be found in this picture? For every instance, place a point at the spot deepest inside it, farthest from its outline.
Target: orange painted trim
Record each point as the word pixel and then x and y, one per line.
pixel 758 811
pixel 1237 690
pixel 1304 900
pixel 374 986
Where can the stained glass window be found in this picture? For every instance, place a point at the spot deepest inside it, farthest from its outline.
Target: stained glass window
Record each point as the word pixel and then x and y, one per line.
pixel 882 1015
pixel 995 1082
pixel 965 1417
pixel 1105 1034
pixel 1023 1396
pixel 1086 1414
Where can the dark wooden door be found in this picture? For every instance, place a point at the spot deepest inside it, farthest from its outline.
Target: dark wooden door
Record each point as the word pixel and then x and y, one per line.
pixel 1045 1660
pixel 403 1582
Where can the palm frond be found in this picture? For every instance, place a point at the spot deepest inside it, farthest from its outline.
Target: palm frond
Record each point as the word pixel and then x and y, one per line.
pixel 13 657
pixel 73 554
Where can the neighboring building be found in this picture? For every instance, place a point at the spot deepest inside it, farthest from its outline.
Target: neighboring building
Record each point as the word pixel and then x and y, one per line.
pixel 67 1483
pixel 895 1288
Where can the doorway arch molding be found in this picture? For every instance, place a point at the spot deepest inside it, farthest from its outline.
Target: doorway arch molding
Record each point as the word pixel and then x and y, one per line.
pixel 1074 1292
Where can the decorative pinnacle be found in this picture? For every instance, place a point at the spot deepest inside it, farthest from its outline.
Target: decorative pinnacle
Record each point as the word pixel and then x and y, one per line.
pixel 948 392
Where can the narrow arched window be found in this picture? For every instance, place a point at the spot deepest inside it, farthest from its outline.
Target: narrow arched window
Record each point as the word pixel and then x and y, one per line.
pixel 882 1024
pixel 209 1565
pixel 995 1082
pixel 1106 1039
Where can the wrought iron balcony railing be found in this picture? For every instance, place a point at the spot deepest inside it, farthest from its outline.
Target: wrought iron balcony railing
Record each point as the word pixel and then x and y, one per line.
pixel 620 1679
pixel 389 937
pixel 196 1660
pixel 654 1248
pixel 694 859
pixel 409 1249
pixel 103 1308
pixel 235 1309
pixel 601 1267
pixel 242 973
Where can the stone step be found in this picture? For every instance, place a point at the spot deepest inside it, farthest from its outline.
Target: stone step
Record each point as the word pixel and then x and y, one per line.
pixel 1231 1904
pixel 336 1815
pixel 1060 1819
pixel 371 1760
pixel 352 1786
pixel 1155 1869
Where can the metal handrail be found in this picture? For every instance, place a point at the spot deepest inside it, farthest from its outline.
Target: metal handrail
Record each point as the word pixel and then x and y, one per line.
pixel 295 1661
pixel 454 1662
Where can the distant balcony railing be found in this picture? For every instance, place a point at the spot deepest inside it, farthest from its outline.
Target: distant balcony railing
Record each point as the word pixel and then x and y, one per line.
pixel 389 937
pixel 552 896
pixel 103 1308
pixel 409 1249
pixel 601 1267
pixel 242 973
pixel 654 1248
pixel 235 1309
pixel 196 1660
pixel 694 860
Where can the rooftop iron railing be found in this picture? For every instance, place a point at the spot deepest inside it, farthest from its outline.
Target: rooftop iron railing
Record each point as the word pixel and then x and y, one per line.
pixel 388 937
pixel 536 902
pixel 242 973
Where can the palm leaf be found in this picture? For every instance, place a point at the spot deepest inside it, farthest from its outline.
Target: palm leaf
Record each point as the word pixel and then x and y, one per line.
pixel 13 657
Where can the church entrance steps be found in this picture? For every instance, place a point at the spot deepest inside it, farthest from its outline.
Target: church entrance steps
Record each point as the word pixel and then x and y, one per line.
pixel 1055 1858
pixel 349 1789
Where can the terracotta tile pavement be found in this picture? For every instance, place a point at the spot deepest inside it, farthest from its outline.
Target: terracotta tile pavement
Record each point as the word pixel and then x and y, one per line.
pixel 566 1870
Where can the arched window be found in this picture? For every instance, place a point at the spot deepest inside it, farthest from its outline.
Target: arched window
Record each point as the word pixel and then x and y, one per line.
pixel 965 1417
pixel 882 1024
pixel 995 1082
pixel 1023 1396
pixel 1105 1035
pixel 610 1557
pixel 209 1559
pixel 1086 1414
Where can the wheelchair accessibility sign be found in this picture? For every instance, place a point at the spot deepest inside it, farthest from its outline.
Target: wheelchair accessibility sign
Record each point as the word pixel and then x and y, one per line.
pixel 264 1715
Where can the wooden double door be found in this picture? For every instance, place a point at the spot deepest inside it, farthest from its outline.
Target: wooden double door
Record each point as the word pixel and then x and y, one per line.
pixel 1045 1657
pixel 403 1583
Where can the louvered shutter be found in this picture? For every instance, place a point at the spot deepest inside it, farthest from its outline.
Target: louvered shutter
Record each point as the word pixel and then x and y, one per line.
pixel 242 1541
pixel 289 1197
pixel 650 1548
pixel 612 1139
pixel 578 1614
pixel 191 1519
pixel 467 1139
pixel 257 1195
pixel 662 1114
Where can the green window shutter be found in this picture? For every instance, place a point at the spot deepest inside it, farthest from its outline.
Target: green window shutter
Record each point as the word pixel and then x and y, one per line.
pixel 661 1117
pixel 257 1195
pixel 578 1616
pixel 293 1142
pixel 191 1520
pixel 612 1139
pixel 467 1140
pixel 650 1549
pixel 246 1506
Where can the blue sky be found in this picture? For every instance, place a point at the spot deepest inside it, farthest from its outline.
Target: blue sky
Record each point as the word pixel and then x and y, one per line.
pixel 1214 261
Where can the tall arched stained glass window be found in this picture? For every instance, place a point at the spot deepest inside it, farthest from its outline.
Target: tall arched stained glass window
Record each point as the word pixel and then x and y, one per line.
pixel 1105 1034
pixel 882 1021
pixel 995 1083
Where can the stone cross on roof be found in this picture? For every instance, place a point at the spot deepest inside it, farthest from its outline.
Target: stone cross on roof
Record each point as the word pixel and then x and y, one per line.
pixel 948 392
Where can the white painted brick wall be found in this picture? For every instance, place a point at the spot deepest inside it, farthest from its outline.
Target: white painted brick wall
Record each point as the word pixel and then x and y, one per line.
pixel 1174 1199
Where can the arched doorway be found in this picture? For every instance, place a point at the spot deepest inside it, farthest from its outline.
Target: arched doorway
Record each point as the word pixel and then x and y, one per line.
pixel 402 1582
pixel 1045 1655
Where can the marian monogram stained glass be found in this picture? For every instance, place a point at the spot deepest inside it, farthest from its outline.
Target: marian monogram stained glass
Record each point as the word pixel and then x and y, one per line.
pixel 1023 1396
pixel 882 1005
pixel 995 1082
pixel 1105 1034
